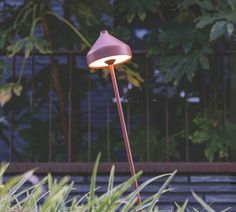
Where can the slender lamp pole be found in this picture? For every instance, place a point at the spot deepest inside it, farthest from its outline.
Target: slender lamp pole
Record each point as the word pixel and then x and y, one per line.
pixel 107 52
pixel 123 127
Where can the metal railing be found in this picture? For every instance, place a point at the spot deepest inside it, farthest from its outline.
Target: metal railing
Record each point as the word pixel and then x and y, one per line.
pixel 141 107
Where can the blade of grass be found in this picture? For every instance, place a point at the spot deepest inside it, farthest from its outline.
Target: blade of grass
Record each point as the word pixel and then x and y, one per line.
pixel 163 187
pixel 183 207
pixel 226 209
pixel 93 183
pixel 142 186
pixel 203 203
pixel 3 168
pixel 111 182
pixel 22 179
pixel 115 195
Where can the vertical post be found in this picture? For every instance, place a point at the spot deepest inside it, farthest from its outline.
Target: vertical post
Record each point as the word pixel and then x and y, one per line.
pixel 167 128
pixel 108 132
pixel 147 114
pixel 11 140
pixel 225 87
pixel 186 130
pixel 128 117
pixel 69 109
pixel 123 127
pixel 89 120
pixel 32 91
pixel 32 83
pixel 50 119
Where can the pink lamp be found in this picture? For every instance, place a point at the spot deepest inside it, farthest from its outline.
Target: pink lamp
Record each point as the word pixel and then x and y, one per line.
pixel 108 51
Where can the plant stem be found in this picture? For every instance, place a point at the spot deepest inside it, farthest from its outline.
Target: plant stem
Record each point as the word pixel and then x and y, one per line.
pixel 72 27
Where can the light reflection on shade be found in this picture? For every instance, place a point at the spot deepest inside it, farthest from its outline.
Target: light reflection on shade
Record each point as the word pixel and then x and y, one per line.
pixel 101 63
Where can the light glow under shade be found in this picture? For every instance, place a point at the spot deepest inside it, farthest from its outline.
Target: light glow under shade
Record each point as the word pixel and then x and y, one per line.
pixel 101 63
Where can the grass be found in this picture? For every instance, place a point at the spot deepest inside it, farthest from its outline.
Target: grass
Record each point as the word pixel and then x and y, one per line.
pixel 51 195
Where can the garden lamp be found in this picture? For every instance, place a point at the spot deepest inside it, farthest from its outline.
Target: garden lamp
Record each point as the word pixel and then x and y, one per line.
pixel 107 52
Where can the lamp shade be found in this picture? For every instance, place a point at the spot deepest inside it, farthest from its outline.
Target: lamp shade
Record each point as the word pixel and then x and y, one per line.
pixel 108 48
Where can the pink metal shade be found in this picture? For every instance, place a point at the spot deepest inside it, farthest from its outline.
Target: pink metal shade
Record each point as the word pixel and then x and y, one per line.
pixel 108 48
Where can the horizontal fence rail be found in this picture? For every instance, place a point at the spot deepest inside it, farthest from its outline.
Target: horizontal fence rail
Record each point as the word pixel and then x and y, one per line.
pixel 123 168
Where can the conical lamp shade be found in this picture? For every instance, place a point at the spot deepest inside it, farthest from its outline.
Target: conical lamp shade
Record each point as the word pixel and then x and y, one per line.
pixel 108 48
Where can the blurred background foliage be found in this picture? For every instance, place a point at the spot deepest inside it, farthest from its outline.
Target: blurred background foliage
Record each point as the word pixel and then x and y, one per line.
pixel 179 39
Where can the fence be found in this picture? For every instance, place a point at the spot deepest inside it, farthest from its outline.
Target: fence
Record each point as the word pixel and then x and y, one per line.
pixel 67 114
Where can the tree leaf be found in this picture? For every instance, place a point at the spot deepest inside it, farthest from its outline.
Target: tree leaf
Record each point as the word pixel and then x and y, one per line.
pixel 233 4
pixel 217 30
pixel 230 29
pixel 204 21
pixel 130 17
pixel 142 14
pixel 203 60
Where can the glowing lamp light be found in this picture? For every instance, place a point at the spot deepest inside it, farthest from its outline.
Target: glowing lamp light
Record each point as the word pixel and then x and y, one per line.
pixel 108 52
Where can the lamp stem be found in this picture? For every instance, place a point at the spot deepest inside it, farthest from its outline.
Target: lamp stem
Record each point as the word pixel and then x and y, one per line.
pixel 124 129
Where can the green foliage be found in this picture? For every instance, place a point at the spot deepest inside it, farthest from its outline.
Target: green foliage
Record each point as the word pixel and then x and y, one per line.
pixel 158 144
pixel 220 17
pixel 192 46
pixel 28 44
pixel 217 135
pixel 17 195
pixel 133 75
pixel 182 33
pixel 203 204
pixel 136 8
pixel 20 34
pixel 7 90
pixel 186 40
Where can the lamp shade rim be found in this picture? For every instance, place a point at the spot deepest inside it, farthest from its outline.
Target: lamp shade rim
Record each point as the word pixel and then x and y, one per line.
pixel 118 60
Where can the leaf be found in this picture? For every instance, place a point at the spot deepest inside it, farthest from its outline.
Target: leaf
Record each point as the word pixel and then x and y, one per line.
pixel 183 207
pixel 187 46
pixel 230 29
pixel 133 195
pixel 202 203
pixel 133 81
pixel 5 96
pixel 3 168
pixel 7 90
pixel 142 14
pixel 16 47
pixel 161 190
pixel 204 21
pixel 233 4
pixel 111 179
pixel 92 184
pixel 28 48
pixel 217 30
pixel 200 137
pixel 203 60
pixel 226 209
pixel 17 89
pixel 130 17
